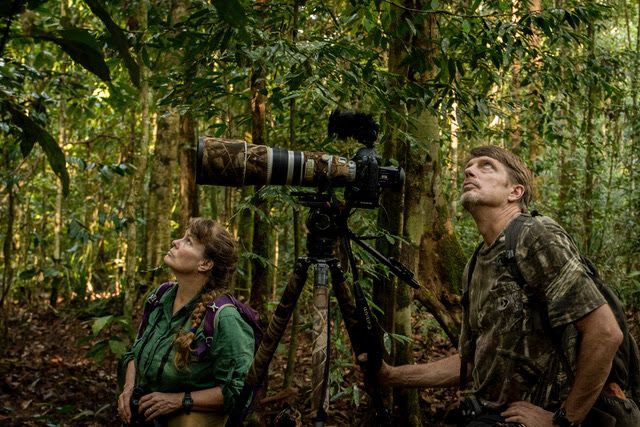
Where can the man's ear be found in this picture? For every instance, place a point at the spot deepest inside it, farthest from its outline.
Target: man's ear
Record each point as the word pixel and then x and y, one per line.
pixel 205 265
pixel 517 192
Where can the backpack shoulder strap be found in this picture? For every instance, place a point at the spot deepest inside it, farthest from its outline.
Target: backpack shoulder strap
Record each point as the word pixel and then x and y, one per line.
pixel 511 235
pixel 151 303
pixel 248 314
pixel 465 307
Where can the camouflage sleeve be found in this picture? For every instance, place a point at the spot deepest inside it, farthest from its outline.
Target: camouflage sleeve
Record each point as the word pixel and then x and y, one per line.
pixel 550 262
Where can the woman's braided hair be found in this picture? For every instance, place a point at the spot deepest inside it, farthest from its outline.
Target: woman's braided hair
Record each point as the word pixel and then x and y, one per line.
pixel 221 248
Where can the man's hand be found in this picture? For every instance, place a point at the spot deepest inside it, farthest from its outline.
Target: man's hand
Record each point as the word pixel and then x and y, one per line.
pixel 155 404
pixel 528 414
pixel 384 373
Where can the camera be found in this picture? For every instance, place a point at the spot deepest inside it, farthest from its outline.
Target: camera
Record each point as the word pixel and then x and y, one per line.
pixel 138 419
pixel 237 163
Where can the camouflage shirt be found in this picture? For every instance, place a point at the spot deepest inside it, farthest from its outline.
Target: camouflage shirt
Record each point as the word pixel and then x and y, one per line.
pixel 502 332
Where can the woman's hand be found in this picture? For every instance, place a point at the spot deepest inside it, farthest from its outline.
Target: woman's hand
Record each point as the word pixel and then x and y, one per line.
pixel 124 409
pixel 155 404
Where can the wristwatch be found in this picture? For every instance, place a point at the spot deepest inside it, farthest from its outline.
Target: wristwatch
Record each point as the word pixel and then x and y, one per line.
pixel 187 402
pixel 560 419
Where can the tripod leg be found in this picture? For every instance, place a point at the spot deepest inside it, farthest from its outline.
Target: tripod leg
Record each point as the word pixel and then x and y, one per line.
pixel 258 371
pixel 321 349
pixel 364 334
pixel 356 327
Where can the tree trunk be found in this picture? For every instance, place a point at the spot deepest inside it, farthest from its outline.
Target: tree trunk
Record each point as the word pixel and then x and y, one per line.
pixel 453 161
pixel 262 229
pixel 245 239
pixel 135 201
pixel 431 249
pixel 590 159
pixel 57 216
pixel 160 193
pixel 536 145
pixel 295 320
pixel 7 248
pixel 189 206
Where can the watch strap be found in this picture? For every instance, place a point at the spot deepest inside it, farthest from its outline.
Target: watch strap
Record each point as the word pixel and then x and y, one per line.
pixel 187 402
pixel 560 419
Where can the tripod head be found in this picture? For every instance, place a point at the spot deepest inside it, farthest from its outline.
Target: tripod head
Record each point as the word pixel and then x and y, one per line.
pixel 328 222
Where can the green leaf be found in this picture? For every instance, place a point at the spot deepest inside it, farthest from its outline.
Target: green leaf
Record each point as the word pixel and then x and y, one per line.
pixel 32 132
pixel 100 323
pixel 357 395
pixel 117 347
pixel 119 40
pixel 82 47
pixel 466 26
pixel 231 11
pixel 412 27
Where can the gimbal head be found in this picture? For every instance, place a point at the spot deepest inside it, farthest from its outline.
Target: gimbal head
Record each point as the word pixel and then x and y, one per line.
pixel 328 221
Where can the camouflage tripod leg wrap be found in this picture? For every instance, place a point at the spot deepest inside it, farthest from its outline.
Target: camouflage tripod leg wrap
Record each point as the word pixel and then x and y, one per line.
pixel 278 324
pixel 321 335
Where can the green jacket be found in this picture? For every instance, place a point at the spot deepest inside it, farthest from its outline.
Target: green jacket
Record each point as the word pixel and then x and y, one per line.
pixel 225 365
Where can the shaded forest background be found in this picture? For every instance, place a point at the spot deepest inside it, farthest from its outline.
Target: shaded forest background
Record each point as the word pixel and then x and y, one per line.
pixel 101 104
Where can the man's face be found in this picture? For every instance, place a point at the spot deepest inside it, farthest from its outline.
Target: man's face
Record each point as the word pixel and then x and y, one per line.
pixel 486 183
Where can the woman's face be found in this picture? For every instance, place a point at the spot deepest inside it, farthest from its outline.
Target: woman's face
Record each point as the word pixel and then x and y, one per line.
pixel 186 255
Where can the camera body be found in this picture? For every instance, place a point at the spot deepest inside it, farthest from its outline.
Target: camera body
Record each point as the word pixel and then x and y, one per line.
pixel 138 419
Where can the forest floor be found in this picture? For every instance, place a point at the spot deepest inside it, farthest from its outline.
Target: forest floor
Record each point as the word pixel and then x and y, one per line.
pixel 49 380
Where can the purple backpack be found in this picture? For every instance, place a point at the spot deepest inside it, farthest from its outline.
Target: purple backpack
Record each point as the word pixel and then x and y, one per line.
pixel 248 314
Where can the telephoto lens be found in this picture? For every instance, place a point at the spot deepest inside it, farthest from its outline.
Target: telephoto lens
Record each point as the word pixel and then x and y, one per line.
pixel 236 163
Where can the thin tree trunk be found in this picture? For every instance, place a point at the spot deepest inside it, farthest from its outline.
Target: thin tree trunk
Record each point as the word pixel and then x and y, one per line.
pixel 590 159
pixel 262 229
pixel 7 248
pixel 390 217
pixel 245 239
pixel 136 184
pixel 57 216
pixel 514 126
pixel 160 193
pixel 453 161
pixel 535 143
pixel 189 206
pixel 262 237
pixel 295 321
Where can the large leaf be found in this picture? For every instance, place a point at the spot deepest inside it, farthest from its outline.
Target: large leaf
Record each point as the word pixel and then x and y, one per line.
pixel 32 132
pixel 82 47
pixel 100 323
pixel 119 39
pixel 231 11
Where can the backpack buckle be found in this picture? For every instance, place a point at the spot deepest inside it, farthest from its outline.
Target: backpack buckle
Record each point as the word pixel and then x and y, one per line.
pixel 213 306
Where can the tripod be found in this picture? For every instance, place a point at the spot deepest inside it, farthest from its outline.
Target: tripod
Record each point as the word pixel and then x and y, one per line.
pixel 327 225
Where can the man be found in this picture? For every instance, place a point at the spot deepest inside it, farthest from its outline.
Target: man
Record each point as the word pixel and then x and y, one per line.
pixel 517 376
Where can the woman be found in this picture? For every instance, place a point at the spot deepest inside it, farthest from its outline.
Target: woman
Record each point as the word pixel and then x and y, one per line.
pixel 181 387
